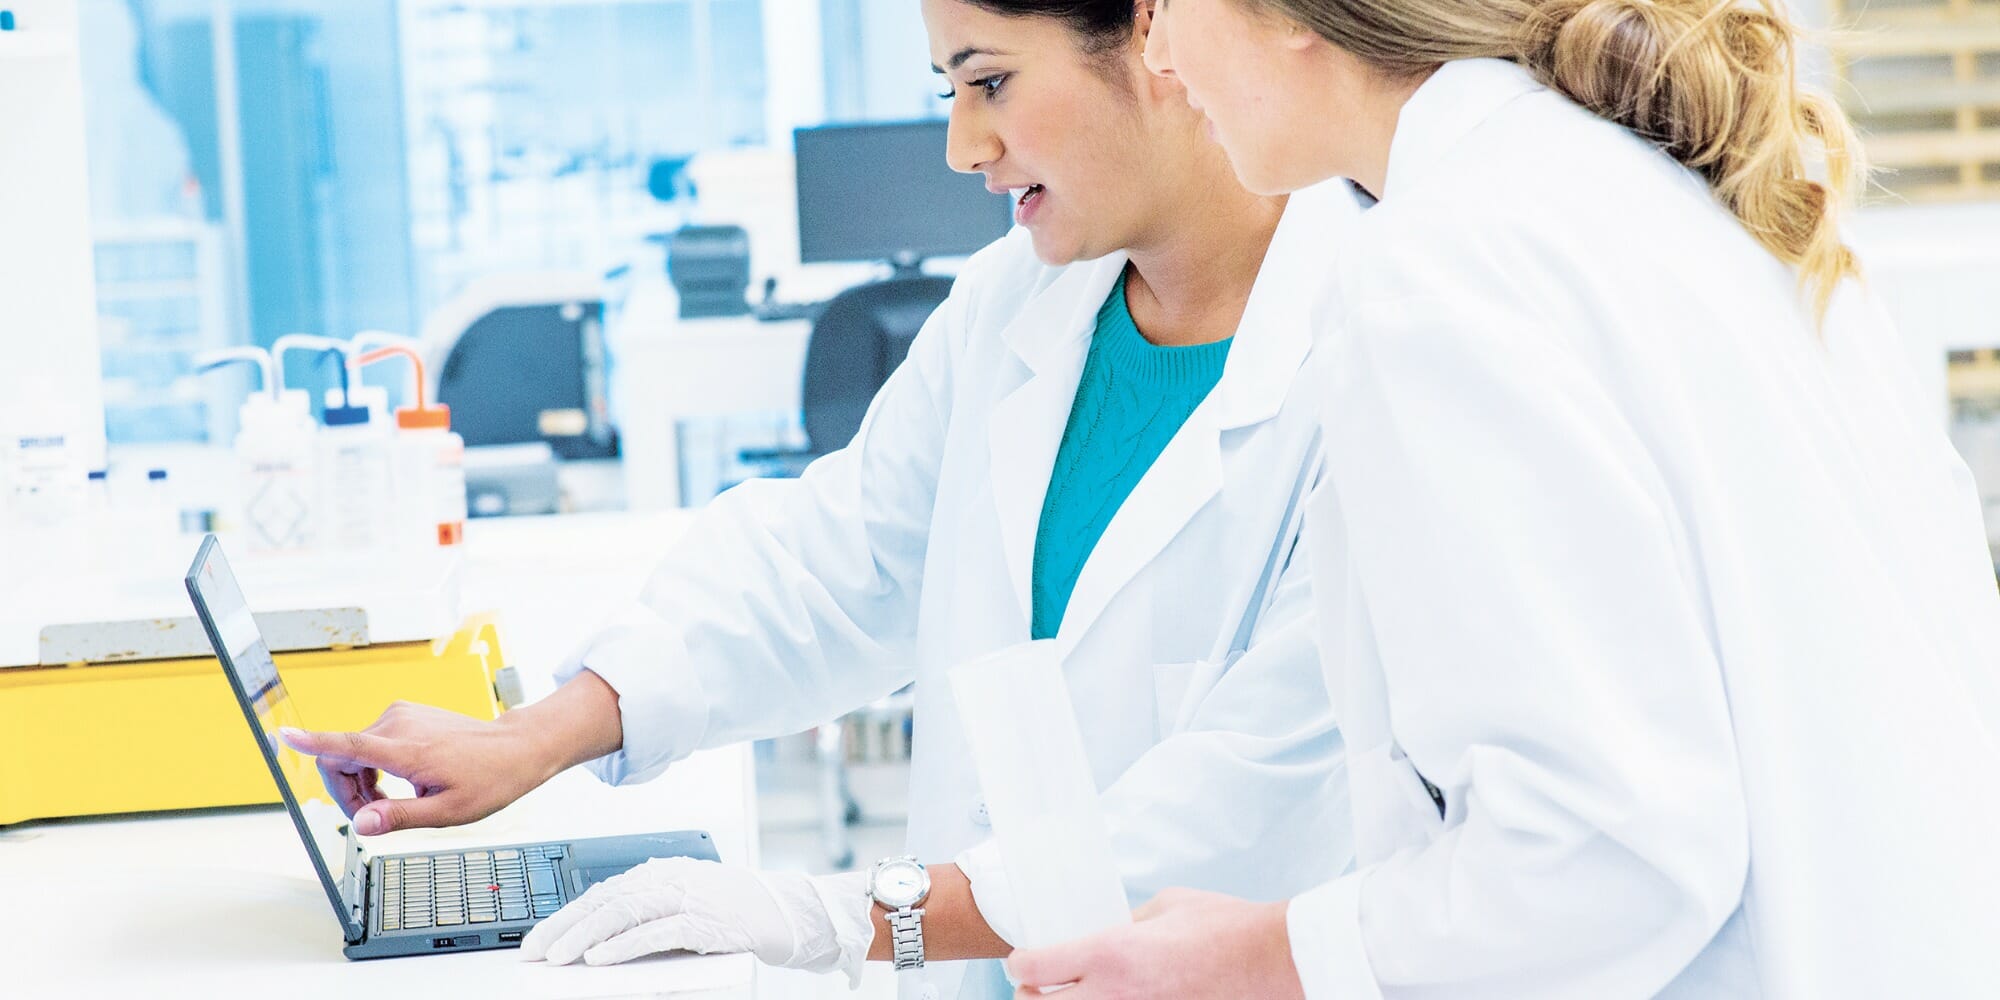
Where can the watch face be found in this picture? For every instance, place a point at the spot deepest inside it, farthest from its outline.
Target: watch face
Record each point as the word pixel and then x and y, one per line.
pixel 899 883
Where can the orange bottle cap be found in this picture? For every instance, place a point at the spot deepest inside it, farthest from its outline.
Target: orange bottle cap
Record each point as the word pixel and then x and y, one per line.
pixel 423 418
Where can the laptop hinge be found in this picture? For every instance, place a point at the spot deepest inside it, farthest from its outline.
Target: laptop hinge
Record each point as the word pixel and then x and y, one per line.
pixel 354 883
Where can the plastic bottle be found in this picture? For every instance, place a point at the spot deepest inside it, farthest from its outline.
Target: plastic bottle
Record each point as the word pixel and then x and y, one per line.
pixel 40 526
pixel 44 478
pixel 102 545
pixel 97 494
pixel 357 490
pixel 428 463
pixel 275 459
pixel 158 513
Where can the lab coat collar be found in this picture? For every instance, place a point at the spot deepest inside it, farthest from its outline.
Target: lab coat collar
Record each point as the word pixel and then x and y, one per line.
pixel 1456 99
pixel 1050 336
pixel 1286 305
pixel 1052 331
pixel 1276 334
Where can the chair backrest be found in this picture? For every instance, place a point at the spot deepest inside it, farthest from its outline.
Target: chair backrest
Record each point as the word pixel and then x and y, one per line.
pixel 856 343
pixel 528 372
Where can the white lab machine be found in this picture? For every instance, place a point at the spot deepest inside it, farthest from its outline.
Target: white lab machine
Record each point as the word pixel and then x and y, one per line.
pixel 51 405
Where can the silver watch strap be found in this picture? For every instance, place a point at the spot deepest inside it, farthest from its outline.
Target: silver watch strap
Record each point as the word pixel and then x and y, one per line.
pixel 906 932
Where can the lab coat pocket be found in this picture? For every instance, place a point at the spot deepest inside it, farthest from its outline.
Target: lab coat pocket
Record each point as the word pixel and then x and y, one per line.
pixel 1172 683
pixel 1400 810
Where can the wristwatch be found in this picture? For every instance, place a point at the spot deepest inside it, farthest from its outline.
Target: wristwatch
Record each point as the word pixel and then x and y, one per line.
pixel 900 885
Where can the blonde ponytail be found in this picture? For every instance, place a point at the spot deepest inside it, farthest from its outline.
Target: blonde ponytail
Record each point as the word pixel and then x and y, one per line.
pixel 1711 82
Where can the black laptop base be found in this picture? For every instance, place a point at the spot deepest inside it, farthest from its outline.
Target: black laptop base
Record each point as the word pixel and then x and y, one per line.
pixel 583 863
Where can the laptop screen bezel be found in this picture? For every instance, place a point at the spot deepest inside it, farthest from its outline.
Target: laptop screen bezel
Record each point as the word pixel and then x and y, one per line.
pixel 210 548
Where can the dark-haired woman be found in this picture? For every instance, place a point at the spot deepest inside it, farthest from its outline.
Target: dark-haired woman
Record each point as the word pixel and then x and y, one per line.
pixel 1659 620
pixel 1103 438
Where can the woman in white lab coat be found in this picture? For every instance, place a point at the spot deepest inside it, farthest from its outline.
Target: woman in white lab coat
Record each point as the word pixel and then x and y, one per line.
pixel 1656 610
pixel 1188 649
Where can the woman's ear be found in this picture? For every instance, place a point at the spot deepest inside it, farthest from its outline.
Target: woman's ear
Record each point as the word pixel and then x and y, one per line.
pixel 1298 38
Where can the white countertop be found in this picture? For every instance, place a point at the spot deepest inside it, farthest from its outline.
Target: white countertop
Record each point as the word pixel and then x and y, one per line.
pixel 223 902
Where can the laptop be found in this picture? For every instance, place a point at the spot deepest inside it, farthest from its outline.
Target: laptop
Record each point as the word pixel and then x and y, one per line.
pixel 402 904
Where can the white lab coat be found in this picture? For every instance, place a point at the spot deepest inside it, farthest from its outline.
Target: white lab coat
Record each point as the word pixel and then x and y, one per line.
pixel 911 551
pixel 1682 606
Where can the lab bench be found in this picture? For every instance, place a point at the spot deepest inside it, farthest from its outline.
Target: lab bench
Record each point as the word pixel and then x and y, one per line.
pixel 224 902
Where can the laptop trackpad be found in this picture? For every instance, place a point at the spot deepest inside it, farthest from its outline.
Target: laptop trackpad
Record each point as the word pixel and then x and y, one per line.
pixel 581 879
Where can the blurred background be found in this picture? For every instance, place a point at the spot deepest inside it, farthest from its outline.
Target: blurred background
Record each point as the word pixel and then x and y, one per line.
pixel 634 198
pixel 616 229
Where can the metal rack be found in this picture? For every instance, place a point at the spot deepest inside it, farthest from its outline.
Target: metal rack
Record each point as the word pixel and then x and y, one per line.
pixel 162 299
pixel 1922 80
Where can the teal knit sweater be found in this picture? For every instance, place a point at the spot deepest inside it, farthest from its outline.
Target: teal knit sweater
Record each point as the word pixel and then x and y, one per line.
pixel 1132 400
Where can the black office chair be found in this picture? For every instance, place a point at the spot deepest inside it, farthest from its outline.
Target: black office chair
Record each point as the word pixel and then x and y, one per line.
pixel 856 343
pixel 863 334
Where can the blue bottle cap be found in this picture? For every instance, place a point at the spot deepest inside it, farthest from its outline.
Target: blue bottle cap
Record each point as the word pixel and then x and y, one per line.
pixel 346 416
pixel 99 475
pixel 6 20
pixel 155 475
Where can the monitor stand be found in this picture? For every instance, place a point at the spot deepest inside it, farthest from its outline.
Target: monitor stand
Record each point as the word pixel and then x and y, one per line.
pixel 906 265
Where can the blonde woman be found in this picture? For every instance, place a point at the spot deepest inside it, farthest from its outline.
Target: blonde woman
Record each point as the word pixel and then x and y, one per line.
pixel 1654 605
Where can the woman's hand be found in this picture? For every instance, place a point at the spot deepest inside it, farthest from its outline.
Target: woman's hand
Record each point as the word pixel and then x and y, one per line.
pixel 464 769
pixel 1185 944
pixel 681 904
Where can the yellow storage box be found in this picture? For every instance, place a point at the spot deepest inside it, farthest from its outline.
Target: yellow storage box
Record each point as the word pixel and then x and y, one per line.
pixel 99 739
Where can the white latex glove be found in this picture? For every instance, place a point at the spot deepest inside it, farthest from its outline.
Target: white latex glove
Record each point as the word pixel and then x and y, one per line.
pixel 680 904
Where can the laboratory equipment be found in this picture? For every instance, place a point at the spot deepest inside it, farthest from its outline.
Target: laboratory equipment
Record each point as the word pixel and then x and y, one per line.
pixel 466 899
pixel 50 386
pixel 103 670
pixel 285 345
pixel 163 298
pixel 82 738
pixel 368 340
pixel 276 458
pixel 710 269
pixel 856 343
pixel 44 477
pixel 512 480
pixel 884 192
pixel 159 516
pixel 357 501
pixel 520 358
pixel 427 465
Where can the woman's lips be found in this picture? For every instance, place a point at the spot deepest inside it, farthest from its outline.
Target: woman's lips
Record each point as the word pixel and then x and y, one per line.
pixel 1028 202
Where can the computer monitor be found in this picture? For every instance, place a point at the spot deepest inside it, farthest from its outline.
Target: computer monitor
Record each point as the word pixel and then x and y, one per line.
pixel 882 191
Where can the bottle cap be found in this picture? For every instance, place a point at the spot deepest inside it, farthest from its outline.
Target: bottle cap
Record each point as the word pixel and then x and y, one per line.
pixel 423 418
pixel 346 416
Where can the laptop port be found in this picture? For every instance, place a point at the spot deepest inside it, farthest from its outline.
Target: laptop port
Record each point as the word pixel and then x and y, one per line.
pixel 442 942
pixel 511 937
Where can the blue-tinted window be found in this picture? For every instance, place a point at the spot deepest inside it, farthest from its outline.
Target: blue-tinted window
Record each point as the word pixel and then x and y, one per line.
pixel 329 166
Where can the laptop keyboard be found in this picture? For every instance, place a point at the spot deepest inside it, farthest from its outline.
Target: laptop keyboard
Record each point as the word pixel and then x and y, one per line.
pixel 475 887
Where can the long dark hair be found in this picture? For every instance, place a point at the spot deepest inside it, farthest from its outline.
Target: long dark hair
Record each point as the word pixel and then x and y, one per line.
pixel 1099 25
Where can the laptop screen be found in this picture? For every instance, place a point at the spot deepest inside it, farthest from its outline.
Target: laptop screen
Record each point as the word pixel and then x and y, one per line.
pixel 247 662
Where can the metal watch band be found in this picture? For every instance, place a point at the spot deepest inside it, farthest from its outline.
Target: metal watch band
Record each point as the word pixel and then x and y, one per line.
pixel 906 932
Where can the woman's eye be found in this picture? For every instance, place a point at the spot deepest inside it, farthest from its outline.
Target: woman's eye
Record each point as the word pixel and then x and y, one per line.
pixel 987 85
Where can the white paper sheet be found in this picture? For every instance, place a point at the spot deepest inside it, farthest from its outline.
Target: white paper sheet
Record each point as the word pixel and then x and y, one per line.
pixel 1047 820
